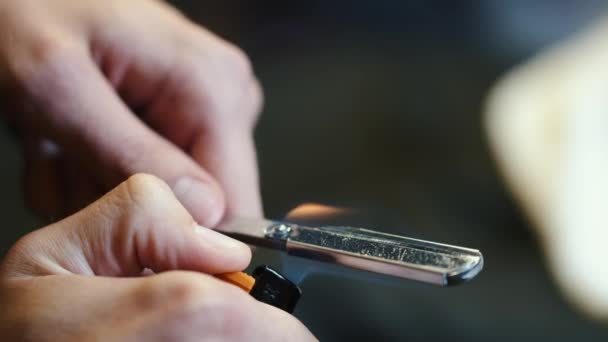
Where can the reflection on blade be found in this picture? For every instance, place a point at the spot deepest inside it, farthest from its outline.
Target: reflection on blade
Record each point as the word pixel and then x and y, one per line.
pixel 363 249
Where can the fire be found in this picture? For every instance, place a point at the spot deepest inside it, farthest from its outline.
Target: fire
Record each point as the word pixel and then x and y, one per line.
pixel 314 211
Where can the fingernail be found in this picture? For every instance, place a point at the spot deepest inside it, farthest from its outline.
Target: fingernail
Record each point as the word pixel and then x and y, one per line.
pixel 218 240
pixel 201 200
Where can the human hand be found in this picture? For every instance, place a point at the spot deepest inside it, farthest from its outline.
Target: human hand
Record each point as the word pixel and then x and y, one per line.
pixel 106 89
pixel 547 124
pixel 79 279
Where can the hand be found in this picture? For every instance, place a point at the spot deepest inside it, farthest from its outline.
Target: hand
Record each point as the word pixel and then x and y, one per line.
pixel 106 89
pixel 547 125
pixel 77 280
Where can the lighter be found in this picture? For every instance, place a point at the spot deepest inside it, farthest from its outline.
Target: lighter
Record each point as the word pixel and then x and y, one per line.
pixel 362 249
pixel 266 285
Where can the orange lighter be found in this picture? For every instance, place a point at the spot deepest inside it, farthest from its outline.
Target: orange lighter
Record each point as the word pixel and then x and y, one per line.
pixel 267 286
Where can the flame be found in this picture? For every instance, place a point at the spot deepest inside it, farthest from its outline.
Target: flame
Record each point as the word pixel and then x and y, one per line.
pixel 314 211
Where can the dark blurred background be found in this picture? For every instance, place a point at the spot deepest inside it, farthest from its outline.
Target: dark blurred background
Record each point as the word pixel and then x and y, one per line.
pixel 377 105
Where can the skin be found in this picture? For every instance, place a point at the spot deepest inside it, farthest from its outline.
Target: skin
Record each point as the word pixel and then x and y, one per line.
pixel 101 90
pixel 74 279
pixel 105 89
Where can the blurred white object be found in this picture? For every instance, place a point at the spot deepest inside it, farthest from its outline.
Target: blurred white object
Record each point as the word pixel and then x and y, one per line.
pixel 548 125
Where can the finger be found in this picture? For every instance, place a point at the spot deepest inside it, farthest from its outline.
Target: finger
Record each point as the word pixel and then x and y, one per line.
pixel 80 187
pixel 205 102
pixel 214 310
pixel 261 322
pixel 209 107
pixel 138 225
pixel 54 186
pixel 228 153
pixel 43 181
pixel 173 306
pixel 94 126
pixel 65 308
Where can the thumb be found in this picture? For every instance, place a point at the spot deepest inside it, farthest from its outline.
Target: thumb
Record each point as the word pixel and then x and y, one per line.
pixel 139 225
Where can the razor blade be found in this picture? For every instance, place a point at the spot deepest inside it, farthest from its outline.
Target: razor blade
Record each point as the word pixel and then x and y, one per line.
pixel 363 249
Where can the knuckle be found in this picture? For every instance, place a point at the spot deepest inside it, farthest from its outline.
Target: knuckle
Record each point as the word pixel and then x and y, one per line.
pixel 187 295
pixel 231 308
pixel 50 64
pixel 18 260
pixel 223 57
pixel 237 95
pixel 170 290
pixel 13 257
pixel 247 87
pixel 146 189
pixel 236 59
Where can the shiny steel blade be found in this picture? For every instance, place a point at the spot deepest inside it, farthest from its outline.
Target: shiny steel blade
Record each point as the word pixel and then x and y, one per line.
pixel 363 249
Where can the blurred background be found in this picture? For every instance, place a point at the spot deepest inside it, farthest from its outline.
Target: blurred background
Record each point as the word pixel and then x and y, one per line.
pixel 377 105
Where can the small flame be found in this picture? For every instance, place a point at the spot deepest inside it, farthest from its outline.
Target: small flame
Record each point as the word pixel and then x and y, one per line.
pixel 317 212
